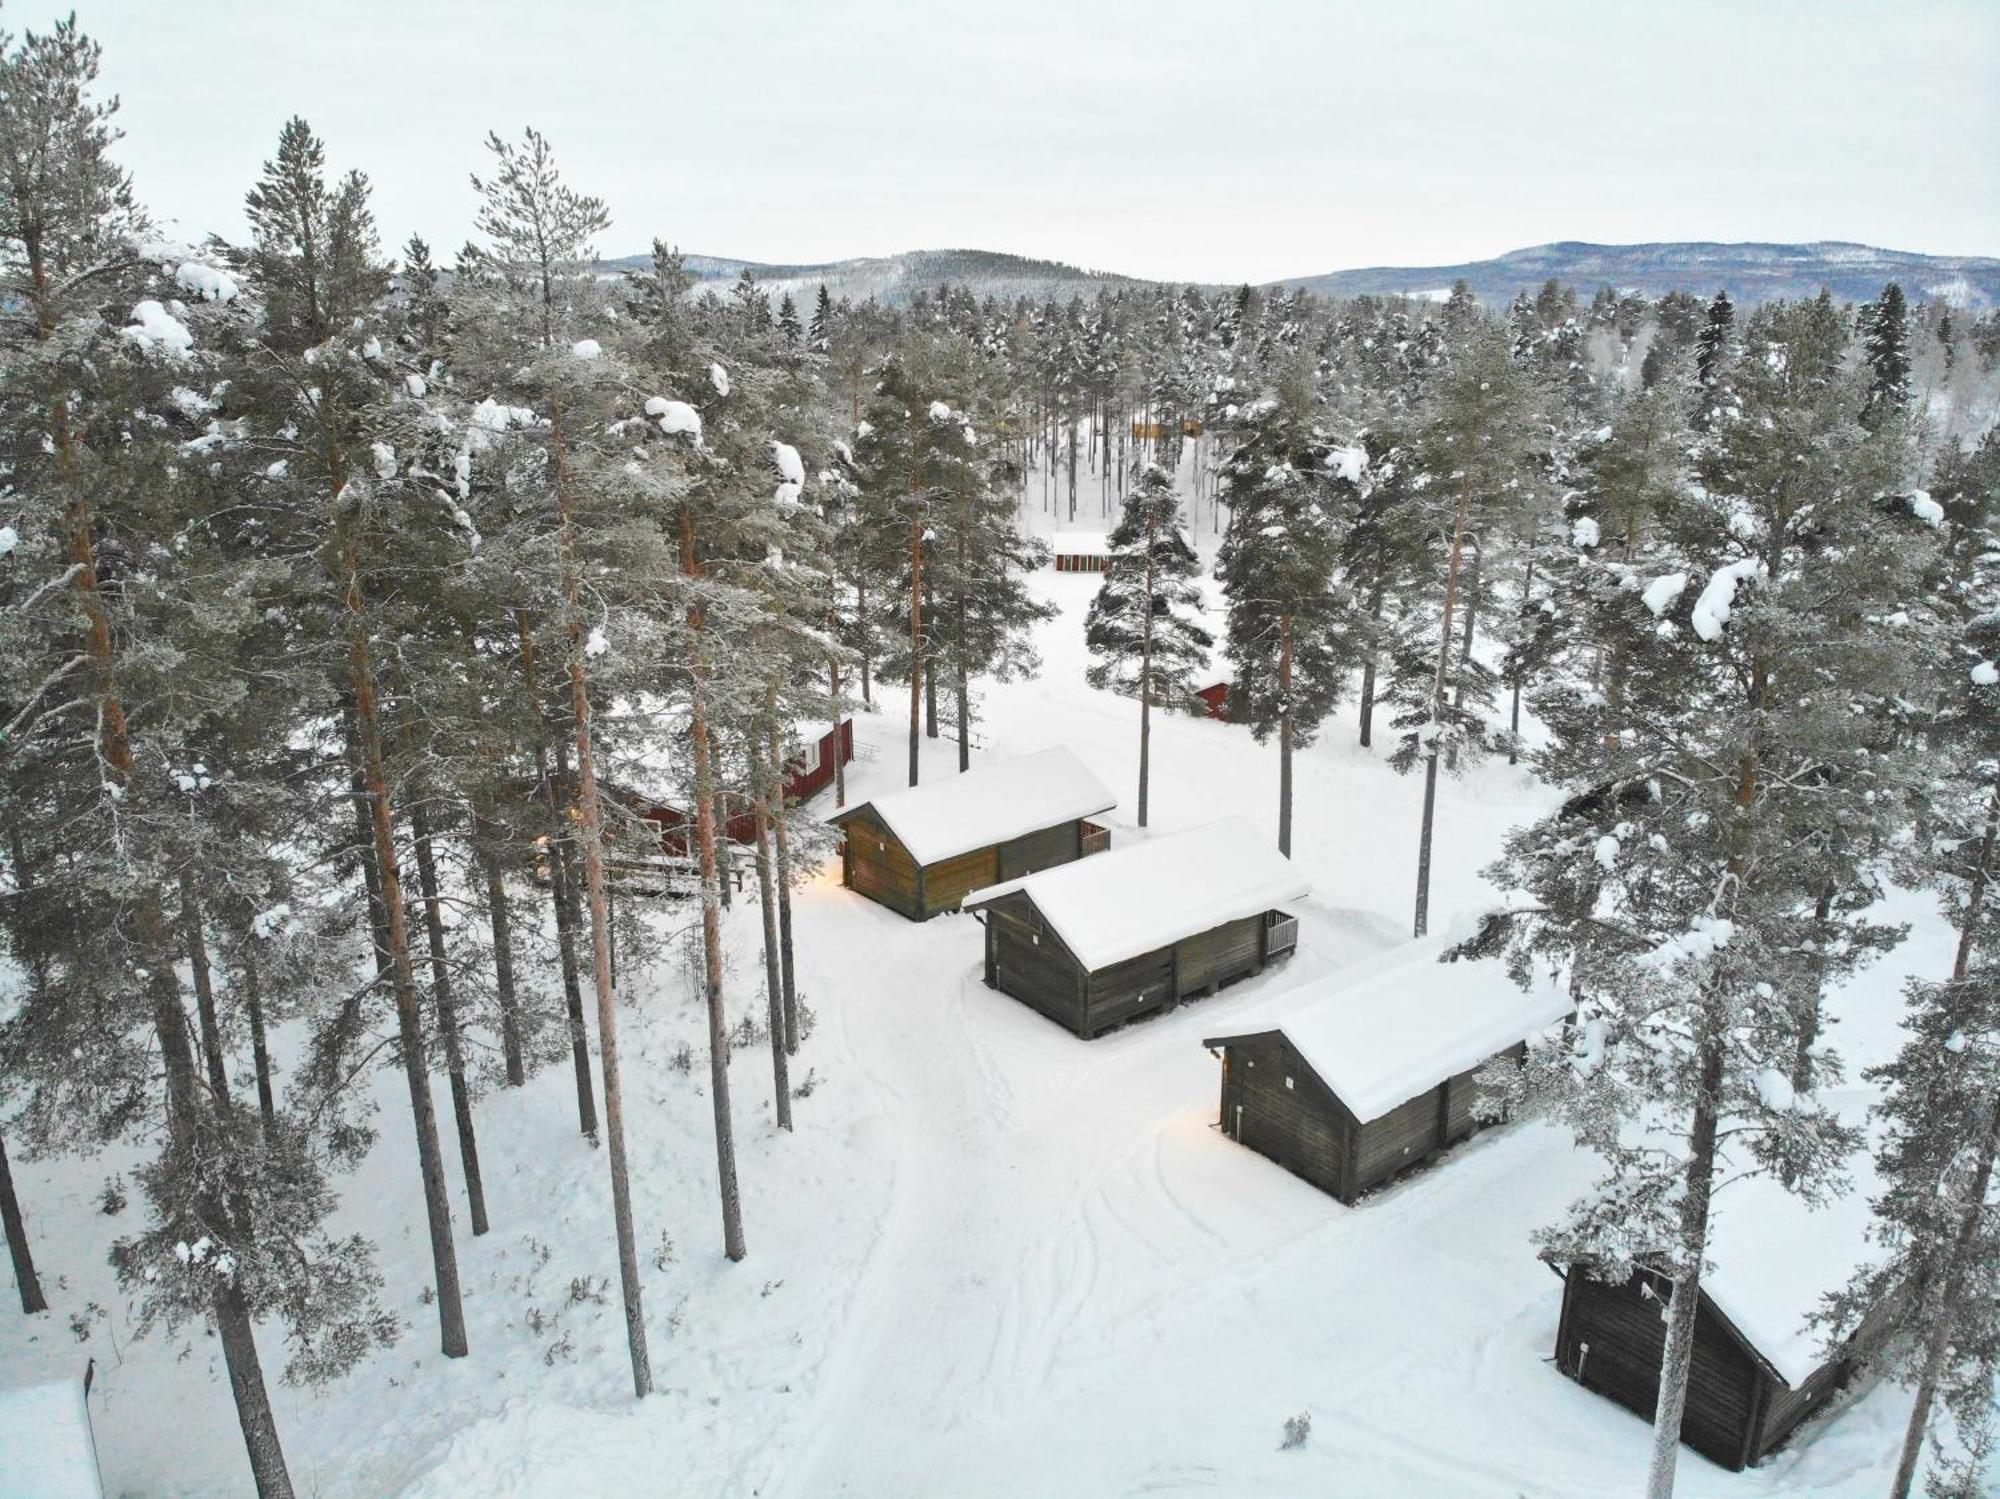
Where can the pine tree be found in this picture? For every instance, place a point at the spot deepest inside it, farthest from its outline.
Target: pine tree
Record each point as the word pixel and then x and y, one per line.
pixel 1144 627
pixel 313 265
pixel 127 587
pixel 1289 625
pixel 1713 804
pixel 1474 449
pixel 535 265
pixel 1941 1093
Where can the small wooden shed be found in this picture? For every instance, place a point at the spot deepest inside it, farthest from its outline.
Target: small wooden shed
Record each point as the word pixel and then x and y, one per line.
pixel 1080 551
pixel 1094 945
pixel 1760 1369
pixel 1354 1082
pixel 920 851
pixel 1212 701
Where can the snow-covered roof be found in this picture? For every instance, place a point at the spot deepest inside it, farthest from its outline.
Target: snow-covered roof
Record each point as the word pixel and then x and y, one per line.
pixel 1773 1257
pixel 989 804
pixel 48 1451
pixel 1385 1039
pixel 1144 896
pixel 1081 544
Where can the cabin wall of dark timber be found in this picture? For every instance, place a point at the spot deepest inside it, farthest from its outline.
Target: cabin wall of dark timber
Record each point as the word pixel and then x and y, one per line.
pixel 1306 1121
pixel 949 881
pixel 1027 960
pixel 1611 1339
pixel 1125 990
pixel 1277 1106
pixel 876 864
pixel 1786 1409
pixel 1019 939
pixel 1061 844
pixel 1220 954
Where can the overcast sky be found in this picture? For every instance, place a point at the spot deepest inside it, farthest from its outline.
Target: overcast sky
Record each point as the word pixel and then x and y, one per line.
pixel 1228 140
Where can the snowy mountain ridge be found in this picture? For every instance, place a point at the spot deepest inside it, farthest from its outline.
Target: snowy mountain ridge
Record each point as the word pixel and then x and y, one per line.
pixel 1752 271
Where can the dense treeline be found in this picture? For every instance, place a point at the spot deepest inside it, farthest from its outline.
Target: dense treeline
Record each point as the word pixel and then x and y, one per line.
pixel 351 607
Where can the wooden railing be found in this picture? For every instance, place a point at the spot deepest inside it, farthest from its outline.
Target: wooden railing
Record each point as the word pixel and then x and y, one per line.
pixel 1281 933
pixel 1096 839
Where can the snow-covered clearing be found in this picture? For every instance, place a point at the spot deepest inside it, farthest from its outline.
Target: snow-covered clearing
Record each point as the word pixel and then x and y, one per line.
pixel 994 1259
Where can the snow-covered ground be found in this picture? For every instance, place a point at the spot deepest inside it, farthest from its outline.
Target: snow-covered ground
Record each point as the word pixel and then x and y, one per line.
pixel 994 1259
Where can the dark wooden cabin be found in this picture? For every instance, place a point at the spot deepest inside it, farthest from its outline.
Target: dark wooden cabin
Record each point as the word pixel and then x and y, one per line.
pixel 1095 945
pixel 1760 1370
pixel 921 851
pixel 1357 1082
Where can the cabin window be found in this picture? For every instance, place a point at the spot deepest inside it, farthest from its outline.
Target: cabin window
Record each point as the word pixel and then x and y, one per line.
pixel 1288 1082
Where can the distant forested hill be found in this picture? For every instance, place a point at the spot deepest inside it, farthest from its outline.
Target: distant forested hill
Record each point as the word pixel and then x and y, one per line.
pixel 1751 273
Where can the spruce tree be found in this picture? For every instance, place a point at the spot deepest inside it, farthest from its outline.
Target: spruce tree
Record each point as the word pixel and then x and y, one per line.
pixel 1714 353
pixel 1886 347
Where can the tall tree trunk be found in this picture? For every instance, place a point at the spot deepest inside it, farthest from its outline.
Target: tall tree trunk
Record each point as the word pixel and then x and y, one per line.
pixel 590 821
pixel 228 1308
pixel 561 884
pixel 1471 610
pixel 916 624
pixel 773 981
pixel 1975 895
pixel 867 638
pixel 1423 915
pixel 725 852
pixel 1368 671
pixel 447 1015
pixel 569 930
pixel 204 991
pixel 26 1281
pixel 1285 735
pixel 260 1047
pixel 930 666
pixel 1946 1285
pixel 962 681
pixel 501 919
pixel 1072 466
pixel 409 1022
pixel 1944 1294
pixel 1684 1305
pixel 1514 707
pixel 839 745
pixel 711 914
pixel 1146 678
pixel 783 839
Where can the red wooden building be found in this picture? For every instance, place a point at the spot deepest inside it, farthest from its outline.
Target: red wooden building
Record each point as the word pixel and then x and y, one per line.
pixel 810 771
pixel 1212 700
